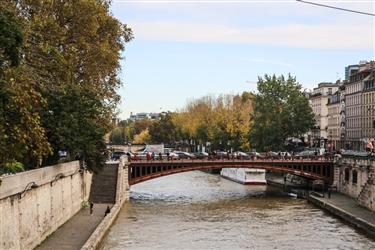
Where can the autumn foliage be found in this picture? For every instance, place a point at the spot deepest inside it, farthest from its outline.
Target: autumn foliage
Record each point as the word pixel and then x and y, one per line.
pixel 59 65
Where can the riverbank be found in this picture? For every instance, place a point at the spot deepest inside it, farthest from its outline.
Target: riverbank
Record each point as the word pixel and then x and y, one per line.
pixel 348 210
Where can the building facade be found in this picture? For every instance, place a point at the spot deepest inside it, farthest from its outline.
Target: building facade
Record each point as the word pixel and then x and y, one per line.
pixel 359 100
pixel 368 108
pixel 318 101
pixel 334 121
pixel 345 111
pixel 143 115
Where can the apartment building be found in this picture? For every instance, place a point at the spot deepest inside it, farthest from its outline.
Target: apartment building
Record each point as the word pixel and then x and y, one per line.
pixel 368 107
pixel 359 101
pixel 143 115
pixel 318 101
pixel 334 120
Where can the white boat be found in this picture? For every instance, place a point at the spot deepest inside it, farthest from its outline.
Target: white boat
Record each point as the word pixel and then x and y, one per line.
pixel 246 176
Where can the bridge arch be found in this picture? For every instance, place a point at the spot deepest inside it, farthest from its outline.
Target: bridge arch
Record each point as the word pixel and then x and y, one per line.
pixel 141 171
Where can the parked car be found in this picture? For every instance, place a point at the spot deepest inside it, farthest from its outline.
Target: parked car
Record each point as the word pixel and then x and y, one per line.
pixel 254 154
pixel 117 155
pixel 173 156
pixel 241 155
pixel 306 153
pixel 220 154
pixel 201 155
pixel 284 154
pixel 184 155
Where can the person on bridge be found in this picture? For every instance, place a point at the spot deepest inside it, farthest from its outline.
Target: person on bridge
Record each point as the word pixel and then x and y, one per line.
pixel 153 155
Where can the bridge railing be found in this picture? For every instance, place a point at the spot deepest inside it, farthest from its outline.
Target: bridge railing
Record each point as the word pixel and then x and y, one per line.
pixel 231 159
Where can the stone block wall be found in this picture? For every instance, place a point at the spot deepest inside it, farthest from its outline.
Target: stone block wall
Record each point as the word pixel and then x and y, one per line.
pixel 35 203
pixel 362 189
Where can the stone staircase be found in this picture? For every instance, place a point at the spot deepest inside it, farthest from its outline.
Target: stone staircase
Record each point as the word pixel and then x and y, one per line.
pixel 365 195
pixel 104 185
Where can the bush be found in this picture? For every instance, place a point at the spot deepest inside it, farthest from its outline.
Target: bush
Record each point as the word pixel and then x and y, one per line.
pixel 11 167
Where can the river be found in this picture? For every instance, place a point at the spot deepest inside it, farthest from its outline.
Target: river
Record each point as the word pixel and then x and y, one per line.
pixel 196 210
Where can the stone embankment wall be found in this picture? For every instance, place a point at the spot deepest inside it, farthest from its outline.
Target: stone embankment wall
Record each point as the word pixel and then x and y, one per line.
pixel 355 177
pixel 35 203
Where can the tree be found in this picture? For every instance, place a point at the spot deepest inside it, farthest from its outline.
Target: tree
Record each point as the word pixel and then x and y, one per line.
pixel 11 38
pixel 164 130
pixel 280 111
pixel 142 138
pixel 62 95
pixel 117 136
pixel 22 138
pixel 224 121
pixel 74 48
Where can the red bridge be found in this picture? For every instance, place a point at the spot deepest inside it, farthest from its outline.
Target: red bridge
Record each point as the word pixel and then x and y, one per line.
pixel 315 169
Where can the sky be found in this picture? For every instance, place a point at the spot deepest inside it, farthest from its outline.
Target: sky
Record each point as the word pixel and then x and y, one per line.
pixel 185 49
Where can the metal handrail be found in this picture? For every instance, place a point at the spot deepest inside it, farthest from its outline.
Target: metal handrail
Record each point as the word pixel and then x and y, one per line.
pixel 29 186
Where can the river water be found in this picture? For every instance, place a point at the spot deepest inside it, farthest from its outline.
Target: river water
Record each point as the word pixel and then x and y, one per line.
pixel 196 210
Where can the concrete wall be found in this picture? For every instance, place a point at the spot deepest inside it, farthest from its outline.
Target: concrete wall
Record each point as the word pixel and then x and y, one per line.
pixel 364 189
pixel 28 215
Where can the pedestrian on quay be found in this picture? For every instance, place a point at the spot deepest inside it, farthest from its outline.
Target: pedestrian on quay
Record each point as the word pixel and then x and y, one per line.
pixel 107 211
pixel 91 207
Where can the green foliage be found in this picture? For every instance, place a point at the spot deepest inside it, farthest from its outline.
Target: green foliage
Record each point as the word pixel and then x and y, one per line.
pixel 117 136
pixel 62 95
pixel 164 130
pixel 71 124
pixel 143 137
pixel 280 111
pixel 11 167
pixel 223 121
pixel 11 38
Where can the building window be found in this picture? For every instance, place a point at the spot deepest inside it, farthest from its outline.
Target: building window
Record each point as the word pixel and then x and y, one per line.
pixel 346 174
pixel 354 176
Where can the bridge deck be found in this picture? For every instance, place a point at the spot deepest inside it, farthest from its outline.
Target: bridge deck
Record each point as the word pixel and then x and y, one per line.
pixel 316 168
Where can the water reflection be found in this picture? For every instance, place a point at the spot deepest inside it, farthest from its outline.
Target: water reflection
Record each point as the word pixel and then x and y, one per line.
pixel 200 211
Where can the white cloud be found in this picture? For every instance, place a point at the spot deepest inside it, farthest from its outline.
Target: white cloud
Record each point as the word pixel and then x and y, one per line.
pixel 319 36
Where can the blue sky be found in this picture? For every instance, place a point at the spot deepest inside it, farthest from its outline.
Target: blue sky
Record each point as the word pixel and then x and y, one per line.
pixel 187 49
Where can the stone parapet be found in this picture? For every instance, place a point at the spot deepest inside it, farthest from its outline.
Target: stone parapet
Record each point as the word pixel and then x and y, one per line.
pixel 35 203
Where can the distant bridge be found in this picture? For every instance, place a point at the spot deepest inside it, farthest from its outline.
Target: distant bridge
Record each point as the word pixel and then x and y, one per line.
pixel 314 169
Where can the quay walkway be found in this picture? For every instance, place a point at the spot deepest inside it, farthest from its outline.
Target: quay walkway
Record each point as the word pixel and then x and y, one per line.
pixel 76 231
pixel 347 209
